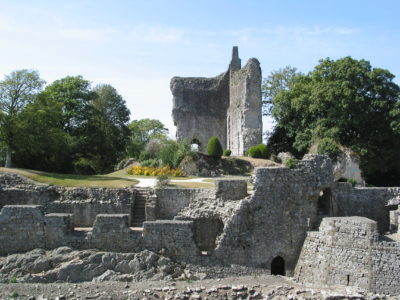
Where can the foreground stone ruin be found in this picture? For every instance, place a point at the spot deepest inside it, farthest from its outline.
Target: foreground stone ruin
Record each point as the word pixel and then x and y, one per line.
pixel 297 222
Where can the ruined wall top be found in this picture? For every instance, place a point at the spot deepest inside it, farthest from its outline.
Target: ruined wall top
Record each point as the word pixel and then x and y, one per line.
pixel 236 63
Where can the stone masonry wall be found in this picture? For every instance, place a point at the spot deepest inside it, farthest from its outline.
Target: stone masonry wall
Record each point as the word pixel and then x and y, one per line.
pixel 347 251
pixel 228 106
pixel 373 203
pixel 231 189
pixel 25 227
pixel 199 108
pixel 274 221
pixel 245 108
pixel 83 203
pixel 21 228
pixel 170 201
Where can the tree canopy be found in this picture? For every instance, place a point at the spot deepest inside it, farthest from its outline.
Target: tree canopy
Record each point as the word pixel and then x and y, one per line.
pixel 345 100
pixel 68 127
pixel 18 89
pixel 142 131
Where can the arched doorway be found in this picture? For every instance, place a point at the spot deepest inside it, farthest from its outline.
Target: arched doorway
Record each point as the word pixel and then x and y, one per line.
pixel 278 266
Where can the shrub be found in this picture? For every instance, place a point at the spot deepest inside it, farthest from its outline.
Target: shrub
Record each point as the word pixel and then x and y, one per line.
pixel 259 151
pixel 329 147
pixel 214 148
pixel 291 163
pixel 254 152
pixel 162 180
pixel 264 151
pixel 12 280
pixel 349 180
pixel 227 152
pixel 144 155
pixel 172 153
pixel 85 166
pixel 149 163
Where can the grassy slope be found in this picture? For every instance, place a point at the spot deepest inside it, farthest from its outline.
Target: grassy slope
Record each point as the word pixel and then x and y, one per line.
pixel 72 180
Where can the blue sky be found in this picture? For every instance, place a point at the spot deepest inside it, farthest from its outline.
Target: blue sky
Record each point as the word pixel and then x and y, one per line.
pixel 137 46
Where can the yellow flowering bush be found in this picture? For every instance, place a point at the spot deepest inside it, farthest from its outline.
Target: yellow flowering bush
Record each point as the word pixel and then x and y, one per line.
pixel 152 171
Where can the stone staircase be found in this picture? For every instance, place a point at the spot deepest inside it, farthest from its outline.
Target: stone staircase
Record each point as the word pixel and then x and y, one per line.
pixel 139 208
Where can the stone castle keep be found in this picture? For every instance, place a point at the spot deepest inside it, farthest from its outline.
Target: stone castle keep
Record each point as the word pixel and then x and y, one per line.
pixel 298 222
pixel 227 106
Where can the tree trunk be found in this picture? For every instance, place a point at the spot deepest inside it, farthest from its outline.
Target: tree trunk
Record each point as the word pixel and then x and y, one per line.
pixel 8 158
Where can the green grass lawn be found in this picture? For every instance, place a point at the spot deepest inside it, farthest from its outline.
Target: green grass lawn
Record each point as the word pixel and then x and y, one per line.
pixel 72 180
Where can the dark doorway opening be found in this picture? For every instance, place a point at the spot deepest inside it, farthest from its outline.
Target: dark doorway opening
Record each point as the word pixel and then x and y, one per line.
pixel 195 145
pixel 278 266
pixel 324 207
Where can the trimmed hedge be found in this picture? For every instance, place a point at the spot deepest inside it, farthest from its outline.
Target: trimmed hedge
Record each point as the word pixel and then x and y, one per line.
pixel 259 151
pixel 227 152
pixel 214 148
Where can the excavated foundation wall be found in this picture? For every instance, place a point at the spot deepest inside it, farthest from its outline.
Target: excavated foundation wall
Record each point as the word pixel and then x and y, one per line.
pixel 348 251
pixel 26 227
pixel 373 203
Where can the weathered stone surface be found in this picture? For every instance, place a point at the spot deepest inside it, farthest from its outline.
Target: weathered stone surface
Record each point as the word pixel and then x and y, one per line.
pixel 68 265
pixel 233 189
pixel 348 251
pixel 348 166
pixel 227 106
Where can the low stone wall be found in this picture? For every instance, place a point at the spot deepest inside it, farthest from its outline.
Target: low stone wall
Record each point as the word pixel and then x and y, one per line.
pixel 347 251
pixel 175 237
pixel 84 203
pixel 373 203
pixel 23 228
pixel 171 200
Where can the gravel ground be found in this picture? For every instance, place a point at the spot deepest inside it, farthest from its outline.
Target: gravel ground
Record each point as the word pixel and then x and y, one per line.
pixel 246 287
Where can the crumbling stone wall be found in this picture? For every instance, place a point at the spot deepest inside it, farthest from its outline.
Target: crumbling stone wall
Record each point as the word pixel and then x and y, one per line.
pixel 83 203
pixel 244 112
pixel 374 203
pixel 233 189
pixel 26 227
pixel 168 202
pixel 227 106
pixel 274 221
pixel 348 251
pixel 199 108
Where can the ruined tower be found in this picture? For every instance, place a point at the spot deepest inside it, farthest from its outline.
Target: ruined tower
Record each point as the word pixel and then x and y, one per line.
pixel 227 106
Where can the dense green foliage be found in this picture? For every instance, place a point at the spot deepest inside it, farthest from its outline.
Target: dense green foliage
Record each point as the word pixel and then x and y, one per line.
pixel 254 152
pixel 348 102
pixel 329 147
pixel 172 153
pixel 214 147
pixel 291 163
pixel 259 151
pixel 227 152
pixel 143 132
pixel 17 90
pixel 68 127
